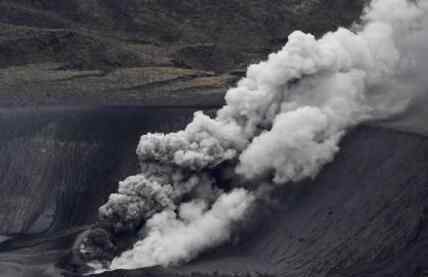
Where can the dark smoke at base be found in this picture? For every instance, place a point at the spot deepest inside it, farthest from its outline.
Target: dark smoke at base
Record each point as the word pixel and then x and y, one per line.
pixel 281 124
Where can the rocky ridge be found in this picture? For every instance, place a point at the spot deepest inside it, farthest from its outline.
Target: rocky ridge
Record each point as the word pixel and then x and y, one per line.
pixel 141 52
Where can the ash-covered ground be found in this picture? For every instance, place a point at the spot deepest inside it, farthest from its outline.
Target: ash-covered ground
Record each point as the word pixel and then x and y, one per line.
pixel 365 215
pixel 315 164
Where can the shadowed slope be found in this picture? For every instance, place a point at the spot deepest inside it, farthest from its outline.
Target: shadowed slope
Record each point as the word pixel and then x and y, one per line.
pixel 57 166
pixel 365 214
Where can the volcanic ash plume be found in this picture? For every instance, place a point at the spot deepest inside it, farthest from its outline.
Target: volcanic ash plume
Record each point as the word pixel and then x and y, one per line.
pixel 180 236
pixel 281 123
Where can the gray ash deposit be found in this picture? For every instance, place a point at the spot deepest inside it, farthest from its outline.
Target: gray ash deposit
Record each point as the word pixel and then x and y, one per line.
pixel 58 166
pixel 294 174
pixel 364 215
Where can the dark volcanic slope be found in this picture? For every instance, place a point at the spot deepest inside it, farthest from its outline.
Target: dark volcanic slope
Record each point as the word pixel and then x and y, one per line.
pixel 145 52
pixel 57 165
pixel 365 215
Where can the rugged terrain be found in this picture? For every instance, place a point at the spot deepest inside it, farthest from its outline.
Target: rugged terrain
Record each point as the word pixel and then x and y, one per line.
pixel 81 80
pixel 145 52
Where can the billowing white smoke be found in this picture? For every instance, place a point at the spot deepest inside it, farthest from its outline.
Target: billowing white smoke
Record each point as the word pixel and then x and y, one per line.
pixel 283 122
pixel 173 237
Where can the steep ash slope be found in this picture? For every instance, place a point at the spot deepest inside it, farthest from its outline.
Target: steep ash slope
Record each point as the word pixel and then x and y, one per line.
pixel 365 215
pixel 58 165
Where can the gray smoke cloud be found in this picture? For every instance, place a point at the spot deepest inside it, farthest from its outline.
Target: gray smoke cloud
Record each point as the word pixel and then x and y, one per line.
pixel 281 123
pixel 171 237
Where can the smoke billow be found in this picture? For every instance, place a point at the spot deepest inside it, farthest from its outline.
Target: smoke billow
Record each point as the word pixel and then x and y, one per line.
pixel 180 236
pixel 281 123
